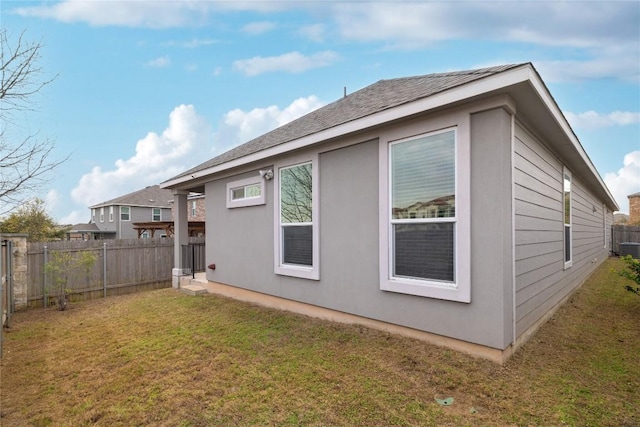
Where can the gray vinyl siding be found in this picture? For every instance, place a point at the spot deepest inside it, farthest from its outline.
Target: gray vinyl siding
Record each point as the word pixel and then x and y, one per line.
pixel 541 280
pixel 240 241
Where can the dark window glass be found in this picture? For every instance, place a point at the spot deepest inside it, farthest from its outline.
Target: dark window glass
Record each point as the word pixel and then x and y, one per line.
pixel 297 245
pixel 424 250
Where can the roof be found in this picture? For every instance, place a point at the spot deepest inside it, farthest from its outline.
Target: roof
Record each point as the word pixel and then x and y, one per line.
pixel 388 101
pixel 380 96
pixel 151 196
pixel 634 195
pixel 79 228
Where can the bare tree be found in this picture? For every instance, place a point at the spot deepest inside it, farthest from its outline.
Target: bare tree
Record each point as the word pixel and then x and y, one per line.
pixel 25 161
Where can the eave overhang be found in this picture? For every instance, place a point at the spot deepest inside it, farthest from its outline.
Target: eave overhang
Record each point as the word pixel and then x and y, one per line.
pixel 522 84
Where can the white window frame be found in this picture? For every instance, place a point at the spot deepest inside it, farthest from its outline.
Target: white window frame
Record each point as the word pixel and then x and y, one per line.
pixel 569 263
pixel 245 201
pixel 128 213
pixel 304 272
pixel 194 207
pixel 102 214
pixel 110 213
pixel 93 215
pixel 153 215
pixel 460 289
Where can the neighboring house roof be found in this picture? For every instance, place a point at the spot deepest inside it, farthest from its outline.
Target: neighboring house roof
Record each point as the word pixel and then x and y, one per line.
pixel 152 196
pixel 634 195
pixel 86 228
pixel 396 99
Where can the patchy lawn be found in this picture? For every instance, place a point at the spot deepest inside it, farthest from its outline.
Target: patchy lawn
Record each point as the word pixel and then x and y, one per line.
pixel 163 358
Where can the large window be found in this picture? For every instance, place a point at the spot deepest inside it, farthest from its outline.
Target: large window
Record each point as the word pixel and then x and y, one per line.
pixel 296 231
pixel 426 248
pixel 110 213
pixel 125 213
pixel 423 207
pixel 567 218
pixel 101 214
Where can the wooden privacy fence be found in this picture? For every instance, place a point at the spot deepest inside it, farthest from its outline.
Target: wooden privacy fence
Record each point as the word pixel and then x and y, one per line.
pixel 623 233
pixel 121 266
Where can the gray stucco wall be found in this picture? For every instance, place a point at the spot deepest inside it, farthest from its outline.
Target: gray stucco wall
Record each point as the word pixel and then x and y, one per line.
pixel 541 280
pixel 240 241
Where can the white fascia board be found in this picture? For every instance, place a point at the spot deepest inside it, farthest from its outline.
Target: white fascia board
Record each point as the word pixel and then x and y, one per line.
pixel 488 84
pixel 553 108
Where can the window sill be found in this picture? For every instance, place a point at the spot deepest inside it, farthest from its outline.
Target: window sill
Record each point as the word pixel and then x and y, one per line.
pixel 298 271
pixel 437 290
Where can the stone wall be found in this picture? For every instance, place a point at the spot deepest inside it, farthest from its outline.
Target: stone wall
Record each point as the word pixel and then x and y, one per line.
pixel 19 268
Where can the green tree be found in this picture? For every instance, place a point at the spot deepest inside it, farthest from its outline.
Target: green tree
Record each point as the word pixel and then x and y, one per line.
pixel 32 218
pixel 65 266
pixel 632 273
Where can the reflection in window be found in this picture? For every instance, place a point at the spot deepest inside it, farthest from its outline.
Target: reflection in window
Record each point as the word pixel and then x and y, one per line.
pixel 423 208
pixel 296 217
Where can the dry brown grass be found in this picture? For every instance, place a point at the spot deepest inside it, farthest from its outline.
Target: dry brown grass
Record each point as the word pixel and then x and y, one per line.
pixel 163 358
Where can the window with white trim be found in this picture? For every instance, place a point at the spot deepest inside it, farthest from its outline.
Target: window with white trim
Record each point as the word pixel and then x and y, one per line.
pixel 125 213
pixel 567 218
pixel 101 214
pixel 245 192
pixel 194 206
pixel 156 214
pixel 426 250
pixel 110 213
pixel 93 215
pixel 296 212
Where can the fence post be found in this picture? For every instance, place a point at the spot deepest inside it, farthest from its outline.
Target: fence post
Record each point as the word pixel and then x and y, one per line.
pixel 9 282
pixel 44 281
pixel 104 270
pixel 2 243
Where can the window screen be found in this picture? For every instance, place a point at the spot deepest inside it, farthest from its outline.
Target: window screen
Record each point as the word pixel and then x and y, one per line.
pixel 423 214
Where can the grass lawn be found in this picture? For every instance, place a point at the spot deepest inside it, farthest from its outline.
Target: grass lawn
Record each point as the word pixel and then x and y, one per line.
pixel 164 358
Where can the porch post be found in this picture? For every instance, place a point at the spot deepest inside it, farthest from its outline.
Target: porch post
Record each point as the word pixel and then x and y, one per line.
pixel 180 234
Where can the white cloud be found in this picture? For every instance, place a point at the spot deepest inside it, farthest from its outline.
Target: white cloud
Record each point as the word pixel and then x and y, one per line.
pixel 292 62
pixel 143 13
pixel 157 157
pixel 314 32
pixel 191 67
pixel 257 28
pixel 161 62
pixel 240 126
pixel 191 44
pixel 594 120
pixel 626 181
pixel 602 37
pixel 76 217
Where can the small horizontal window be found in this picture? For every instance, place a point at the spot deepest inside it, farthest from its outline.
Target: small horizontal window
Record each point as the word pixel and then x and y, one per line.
pixel 245 192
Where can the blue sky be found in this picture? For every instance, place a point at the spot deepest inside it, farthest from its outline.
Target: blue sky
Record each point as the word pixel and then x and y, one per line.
pixel 147 89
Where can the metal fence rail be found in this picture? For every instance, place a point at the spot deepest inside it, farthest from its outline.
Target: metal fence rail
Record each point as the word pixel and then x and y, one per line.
pixel 193 258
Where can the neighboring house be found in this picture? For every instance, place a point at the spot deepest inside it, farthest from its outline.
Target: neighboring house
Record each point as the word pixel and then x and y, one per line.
pixel 634 209
pixel 457 207
pixel 115 219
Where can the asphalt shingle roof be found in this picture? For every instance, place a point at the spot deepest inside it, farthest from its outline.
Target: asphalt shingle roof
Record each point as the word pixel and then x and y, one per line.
pixel 380 96
pixel 152 196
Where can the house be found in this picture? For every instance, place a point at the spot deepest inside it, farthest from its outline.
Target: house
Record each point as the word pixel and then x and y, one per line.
pixel 459 208
pixel 115 218
pixel 634 208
